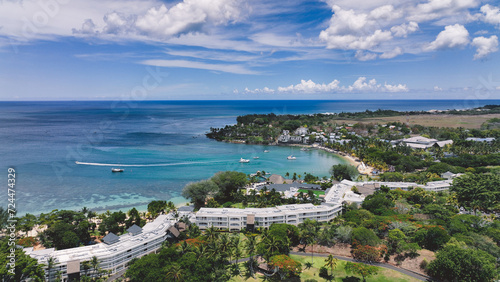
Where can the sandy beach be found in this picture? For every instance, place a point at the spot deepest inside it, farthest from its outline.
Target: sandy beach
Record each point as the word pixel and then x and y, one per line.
pixel 351 160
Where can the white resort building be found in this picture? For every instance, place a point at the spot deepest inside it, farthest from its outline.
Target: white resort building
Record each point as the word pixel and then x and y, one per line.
pixel 113 254
pixel 234 219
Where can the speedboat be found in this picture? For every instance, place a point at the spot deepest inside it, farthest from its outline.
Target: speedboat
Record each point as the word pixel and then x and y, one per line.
pixel 266 151
pixel 255 158
pixel 291 157
pixel 116 170
pixel 242 160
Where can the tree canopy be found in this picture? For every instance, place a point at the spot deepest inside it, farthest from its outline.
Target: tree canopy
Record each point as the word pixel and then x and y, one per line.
pixel 199 191
pixel 343 171
pixel 478 191
pixel 453 263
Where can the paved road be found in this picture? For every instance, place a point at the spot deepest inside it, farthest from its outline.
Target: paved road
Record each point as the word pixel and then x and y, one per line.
pixel 384 265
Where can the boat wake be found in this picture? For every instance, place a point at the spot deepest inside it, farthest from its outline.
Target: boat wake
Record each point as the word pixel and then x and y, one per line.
pixel 145 165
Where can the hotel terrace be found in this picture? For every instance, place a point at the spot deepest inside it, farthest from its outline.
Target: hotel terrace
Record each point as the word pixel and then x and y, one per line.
pixel 233 219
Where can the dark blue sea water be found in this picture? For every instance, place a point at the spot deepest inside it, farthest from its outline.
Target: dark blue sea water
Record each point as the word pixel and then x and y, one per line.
pixel 160 145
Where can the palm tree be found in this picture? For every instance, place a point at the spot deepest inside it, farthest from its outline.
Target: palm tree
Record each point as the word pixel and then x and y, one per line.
pixel 331 262
pixel 200 251
pixel 287 174
pixel 253 193
pixel 250 246
pixel 86 266
pixel 50 264
pixel 95 264
pixel 224 245
pixel 174 273
pixel 211 233
pixel 184 247
pixel 311 195
pixel 84 210
pixel 271 245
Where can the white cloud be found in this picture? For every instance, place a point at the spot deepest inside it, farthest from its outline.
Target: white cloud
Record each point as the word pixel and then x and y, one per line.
pixel 365 56
pixel 391 54
pixel 491 14
pixel 88 27
pixel 441 9
pixel 237 69
pixel 264 90
pixel 310 87
pixel 404 29
pixel 160 22
pixel 350 30
pixel 386 12
pixel 451 37
pixel 437 88
pixel 485 46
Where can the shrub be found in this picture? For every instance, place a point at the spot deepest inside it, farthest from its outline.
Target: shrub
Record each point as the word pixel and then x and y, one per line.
pixel 423 264
pixel 323 272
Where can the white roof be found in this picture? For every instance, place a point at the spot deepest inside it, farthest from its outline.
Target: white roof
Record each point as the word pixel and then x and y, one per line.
pixel 279 210
pixel 151 231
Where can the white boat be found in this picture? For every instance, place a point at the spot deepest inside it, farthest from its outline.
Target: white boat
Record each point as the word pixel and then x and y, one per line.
pixel 116 170
pixel 242 160
pixel 266 151
pixel 304 149
pixel 255 158
pixel 291 157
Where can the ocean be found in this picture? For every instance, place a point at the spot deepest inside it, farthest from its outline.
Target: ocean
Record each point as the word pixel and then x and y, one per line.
pixel 160 145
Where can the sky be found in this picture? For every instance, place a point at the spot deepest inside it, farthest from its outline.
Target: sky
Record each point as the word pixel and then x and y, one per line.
pixel 243 50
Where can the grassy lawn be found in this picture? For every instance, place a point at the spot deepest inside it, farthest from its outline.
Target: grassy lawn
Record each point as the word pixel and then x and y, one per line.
pixel 339 273
pixel 317 193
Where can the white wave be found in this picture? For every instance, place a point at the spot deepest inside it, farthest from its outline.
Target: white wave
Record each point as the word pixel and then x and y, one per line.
pixel 145 165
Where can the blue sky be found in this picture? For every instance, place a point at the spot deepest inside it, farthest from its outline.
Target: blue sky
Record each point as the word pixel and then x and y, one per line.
pixel 236 49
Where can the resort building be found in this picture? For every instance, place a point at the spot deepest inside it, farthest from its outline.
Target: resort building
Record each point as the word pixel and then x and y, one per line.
pixel 234 219
pixel 475 139
pixel 420 142
pixel 113 255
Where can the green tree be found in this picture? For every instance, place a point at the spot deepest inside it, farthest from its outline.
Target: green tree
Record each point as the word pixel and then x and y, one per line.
pixel 364 236
pixel 472 189
pixel 377 204
pixel 174 273
pixel 453 263
pixel 228 182
pixel 199 191
pixel 24 268
pixel 431 239
pixel 344 233
pixel 341 171
pixel 94 262
pixel 331 262
pixel 396 240
pixel 155 207
pixel 250 247
pixel 361 269
pixel 4 216
pixel 134 218
pixel 147 268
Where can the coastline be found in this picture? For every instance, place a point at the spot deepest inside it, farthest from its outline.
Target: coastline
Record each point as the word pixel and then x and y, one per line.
pixel 350 160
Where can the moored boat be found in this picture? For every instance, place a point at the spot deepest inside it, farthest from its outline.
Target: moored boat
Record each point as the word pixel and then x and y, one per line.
pixel 116 170
pixel 242 160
